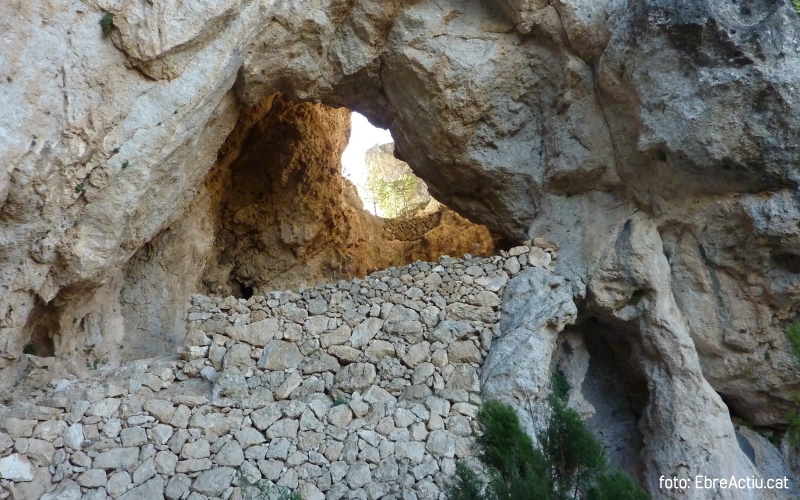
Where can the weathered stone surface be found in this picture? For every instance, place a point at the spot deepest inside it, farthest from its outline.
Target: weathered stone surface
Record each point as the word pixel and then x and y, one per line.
pixel 120 458
pixel 15 467
pixel 365 332
pixel 280 355
pixel 152 489
pixel 258 334
pixel 214 481
pixel 403 321
pixel 356 377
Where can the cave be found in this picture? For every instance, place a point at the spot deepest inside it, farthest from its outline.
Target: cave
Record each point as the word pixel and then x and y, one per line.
pixel 275 213
pixel 182 153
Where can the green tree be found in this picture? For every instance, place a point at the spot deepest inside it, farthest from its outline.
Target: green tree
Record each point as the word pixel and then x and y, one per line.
pixel 570 462
pixel 392 197
pixel 793 430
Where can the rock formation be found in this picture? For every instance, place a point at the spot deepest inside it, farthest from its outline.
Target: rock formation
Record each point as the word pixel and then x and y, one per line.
pixel 653 143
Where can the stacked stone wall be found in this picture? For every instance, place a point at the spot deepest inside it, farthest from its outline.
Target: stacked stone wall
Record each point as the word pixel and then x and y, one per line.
pixel 360 389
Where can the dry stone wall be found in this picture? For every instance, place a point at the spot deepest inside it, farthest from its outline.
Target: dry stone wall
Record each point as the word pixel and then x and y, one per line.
pixel 360 389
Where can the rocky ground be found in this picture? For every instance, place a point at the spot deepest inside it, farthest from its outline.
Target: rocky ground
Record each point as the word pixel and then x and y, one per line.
pixel 359 389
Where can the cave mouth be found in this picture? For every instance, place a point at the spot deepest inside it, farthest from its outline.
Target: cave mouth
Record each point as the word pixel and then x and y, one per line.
pixel 614 386
pixel 286 213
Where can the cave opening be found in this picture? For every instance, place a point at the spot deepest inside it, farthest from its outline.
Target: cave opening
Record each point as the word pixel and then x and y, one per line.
pixel 41 327
pixel 304 193
pixel 616 389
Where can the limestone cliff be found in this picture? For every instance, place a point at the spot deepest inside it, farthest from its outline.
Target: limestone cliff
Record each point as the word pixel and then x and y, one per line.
pixel 653 142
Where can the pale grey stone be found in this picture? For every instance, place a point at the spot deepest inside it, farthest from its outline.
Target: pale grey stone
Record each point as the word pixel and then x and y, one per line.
pixel 336 337
pixel 375 394
pixel 230 455
pixel 426 469
pixel 403 321
pixel 280 355
pixel 358 475
pixel 464 351
pixel 380 349
pixel 73 437
pixel 417 354
pixel 48 430
pixel 151 490
pixel 422 372
pixel 112 428
pixel 133 436
pixel 177 487
pixel 345 354
pixel 180 418
pixel 118 483
pixel 67 490
pixel 266 416
pixel 92 478
pixel 441 443
pixel 315 325
pixel 199 448
pixel 284 428
pixel 119 458
pixel 193 465
pixel 340 416
pixel 161 433
pixel 321 362
pixel 271 469
pixel 104 408
pixel 403 417
pixel 161 409
pixel 355 377
pixel 95 494
pixel 317 306
pixel 165 462
pixel 365 332
pixel 257 334
pixel 16 468
pixel 249 436
pixel 288 386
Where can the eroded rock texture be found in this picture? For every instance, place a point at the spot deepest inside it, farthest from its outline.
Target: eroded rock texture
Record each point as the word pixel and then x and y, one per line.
pixel 653 142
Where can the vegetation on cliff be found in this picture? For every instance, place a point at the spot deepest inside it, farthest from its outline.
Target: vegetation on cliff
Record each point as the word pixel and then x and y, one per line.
pixel 569 462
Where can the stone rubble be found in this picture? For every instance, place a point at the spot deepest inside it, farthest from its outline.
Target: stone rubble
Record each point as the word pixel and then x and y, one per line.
pixel 364 389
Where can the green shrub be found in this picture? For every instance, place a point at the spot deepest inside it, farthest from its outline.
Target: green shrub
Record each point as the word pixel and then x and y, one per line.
pixel 29 349
pixel 264 490
pixel 570 462
pixel 793 421
pixel 793 334
pixel 107 24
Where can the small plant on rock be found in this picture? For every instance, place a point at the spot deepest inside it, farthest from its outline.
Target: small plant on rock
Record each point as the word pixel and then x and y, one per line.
pixel 793 421
pixel 107 24
pixel 29 349
pixel 264 490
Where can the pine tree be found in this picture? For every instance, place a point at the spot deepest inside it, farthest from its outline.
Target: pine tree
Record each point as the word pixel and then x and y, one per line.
pixel 569 464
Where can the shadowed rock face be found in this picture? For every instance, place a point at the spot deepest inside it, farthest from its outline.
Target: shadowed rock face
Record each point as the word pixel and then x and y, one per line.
pixel 653 143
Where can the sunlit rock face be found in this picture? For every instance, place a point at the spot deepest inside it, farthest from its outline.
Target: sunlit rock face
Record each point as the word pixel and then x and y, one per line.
pixel 654 144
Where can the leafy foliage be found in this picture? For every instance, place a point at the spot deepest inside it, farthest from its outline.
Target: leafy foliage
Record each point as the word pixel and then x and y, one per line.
pixel 107 24
pixel 264 490
pixel 393 197
pixel 793 421
pixel 569 464
pixel 793 334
